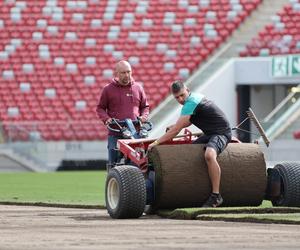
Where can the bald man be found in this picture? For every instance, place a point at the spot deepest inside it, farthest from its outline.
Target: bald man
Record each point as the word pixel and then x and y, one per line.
pixel 122 98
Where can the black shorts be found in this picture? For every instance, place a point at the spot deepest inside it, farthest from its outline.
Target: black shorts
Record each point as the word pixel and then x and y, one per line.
pixel 217 142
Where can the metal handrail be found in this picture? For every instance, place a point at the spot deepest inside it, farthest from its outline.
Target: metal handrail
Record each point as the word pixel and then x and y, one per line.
pixel 281 104
pixel 284 120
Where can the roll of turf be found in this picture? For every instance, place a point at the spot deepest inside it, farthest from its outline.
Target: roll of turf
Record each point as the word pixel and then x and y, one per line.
pixel 181 177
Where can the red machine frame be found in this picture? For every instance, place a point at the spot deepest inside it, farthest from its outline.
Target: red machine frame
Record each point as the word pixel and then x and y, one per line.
pixel 136 149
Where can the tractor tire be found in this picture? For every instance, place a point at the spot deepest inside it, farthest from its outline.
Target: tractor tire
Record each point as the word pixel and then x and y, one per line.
pixel 125 192
pixel 290 185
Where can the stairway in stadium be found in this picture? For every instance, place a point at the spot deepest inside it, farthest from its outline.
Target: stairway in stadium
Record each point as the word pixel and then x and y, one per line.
pixel 255 22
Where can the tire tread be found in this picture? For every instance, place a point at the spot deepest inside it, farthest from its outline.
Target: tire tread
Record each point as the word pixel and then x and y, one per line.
pixel 290 174
pixel 132 192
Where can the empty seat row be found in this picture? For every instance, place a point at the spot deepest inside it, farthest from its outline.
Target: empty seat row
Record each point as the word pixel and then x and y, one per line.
pixel 281 36
pixel 56 56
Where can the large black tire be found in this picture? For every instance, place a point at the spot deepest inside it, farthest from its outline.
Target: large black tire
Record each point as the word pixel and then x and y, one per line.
pixel 125 192
pixel 290 185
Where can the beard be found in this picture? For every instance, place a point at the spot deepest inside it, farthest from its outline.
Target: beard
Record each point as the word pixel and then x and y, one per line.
pixel 125 81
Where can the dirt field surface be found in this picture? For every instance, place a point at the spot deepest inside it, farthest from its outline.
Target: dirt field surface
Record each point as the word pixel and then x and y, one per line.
pixel 45 228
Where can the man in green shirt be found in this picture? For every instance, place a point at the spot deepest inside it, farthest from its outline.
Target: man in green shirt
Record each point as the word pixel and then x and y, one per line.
pixel 205 115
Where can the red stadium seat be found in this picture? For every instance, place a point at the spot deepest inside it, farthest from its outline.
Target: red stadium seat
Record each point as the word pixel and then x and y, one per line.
pixel 272 38
pixel 296 134
pixel 61 65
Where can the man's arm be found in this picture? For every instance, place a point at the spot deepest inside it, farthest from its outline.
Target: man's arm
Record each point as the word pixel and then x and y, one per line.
pixel 144 106
pixel 102 107
pixel 182 122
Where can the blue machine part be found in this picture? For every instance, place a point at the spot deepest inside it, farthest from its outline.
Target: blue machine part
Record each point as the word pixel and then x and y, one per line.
pixel 131 128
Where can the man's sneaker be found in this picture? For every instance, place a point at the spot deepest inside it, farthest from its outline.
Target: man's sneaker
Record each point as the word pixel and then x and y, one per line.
pixel 214 200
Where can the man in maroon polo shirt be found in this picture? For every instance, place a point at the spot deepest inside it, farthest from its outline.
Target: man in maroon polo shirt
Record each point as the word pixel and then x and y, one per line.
pixel 122 98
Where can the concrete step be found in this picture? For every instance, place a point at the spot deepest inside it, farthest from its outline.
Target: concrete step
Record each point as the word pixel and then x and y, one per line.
pixel 257 21
pixel 16 162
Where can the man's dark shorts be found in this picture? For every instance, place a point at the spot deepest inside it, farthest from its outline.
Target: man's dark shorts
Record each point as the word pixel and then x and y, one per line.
pixel 217 142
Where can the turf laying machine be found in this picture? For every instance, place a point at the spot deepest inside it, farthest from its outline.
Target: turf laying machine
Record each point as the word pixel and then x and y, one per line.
pixel 174 175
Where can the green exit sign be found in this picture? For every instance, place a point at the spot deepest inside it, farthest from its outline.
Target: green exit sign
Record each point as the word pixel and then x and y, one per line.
pixel 286 66
pixel 295 65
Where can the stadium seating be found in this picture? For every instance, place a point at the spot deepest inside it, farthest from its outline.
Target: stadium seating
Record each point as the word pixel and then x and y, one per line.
pixel 281 36
pixel 296 134
pixel 55 56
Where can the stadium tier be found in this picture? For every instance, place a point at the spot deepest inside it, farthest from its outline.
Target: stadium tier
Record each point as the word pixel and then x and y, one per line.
pixel 281 36
pixel 55 56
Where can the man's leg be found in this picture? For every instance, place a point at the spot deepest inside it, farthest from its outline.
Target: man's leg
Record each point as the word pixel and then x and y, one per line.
pixel 203 139
pixel 111 147
pixel 214 147
pixel 214 170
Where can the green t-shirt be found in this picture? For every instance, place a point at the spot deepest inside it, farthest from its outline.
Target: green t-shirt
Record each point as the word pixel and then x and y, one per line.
pixel 191 103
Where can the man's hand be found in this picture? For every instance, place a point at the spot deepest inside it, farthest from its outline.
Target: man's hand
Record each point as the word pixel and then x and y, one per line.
pixel 108 121
pixel 182 122
pixel 153 144
pixel 142 119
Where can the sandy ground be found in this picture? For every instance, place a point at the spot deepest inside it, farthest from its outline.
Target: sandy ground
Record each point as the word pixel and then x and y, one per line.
pixel 29 227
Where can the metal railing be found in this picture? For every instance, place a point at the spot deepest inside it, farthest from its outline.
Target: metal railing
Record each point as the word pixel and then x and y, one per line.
pixel 282 107
pixel 26 139
pixel 14 133
pixel 283 114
